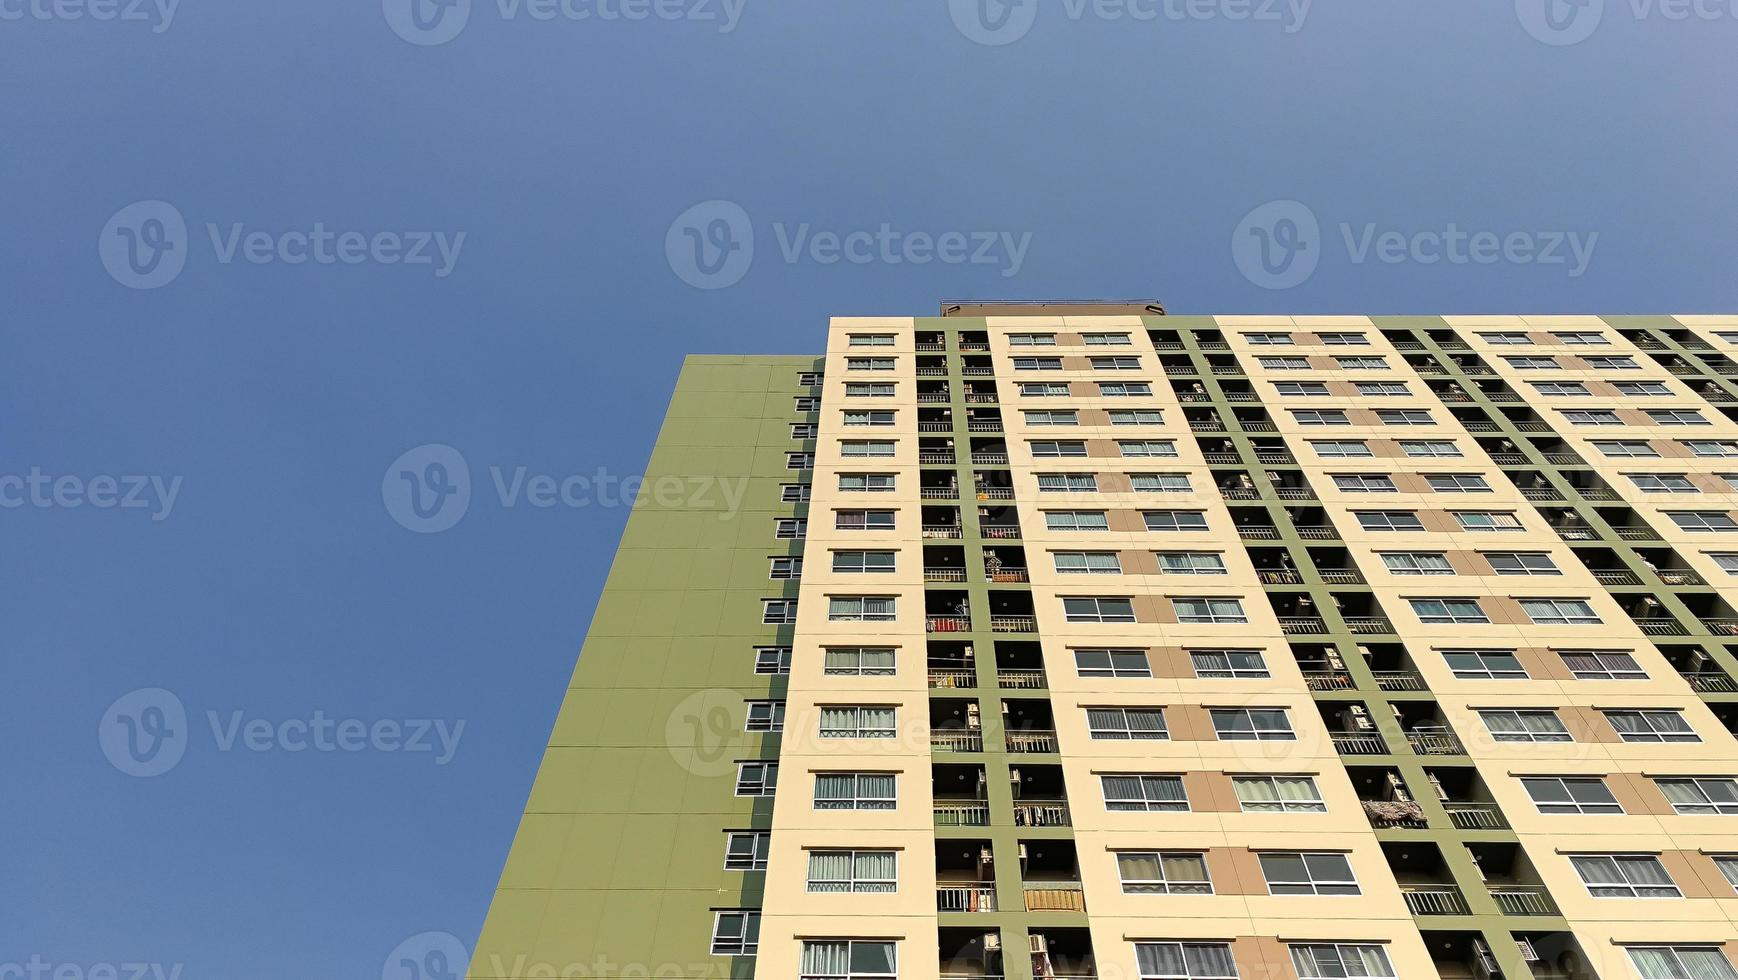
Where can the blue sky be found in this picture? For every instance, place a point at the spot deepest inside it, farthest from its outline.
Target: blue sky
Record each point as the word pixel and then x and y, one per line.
pixel 268 391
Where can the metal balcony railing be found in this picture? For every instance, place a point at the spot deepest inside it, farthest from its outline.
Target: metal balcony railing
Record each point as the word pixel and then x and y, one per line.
pixel 944 575
pixel 1399 680
pixel 1274 457
pixel 953 679
pixel 1221 459
pixel 942 531
pixel 965 898
pixel 1710 682
pixel 1341 576
pixel 1294 493
pixel 1317 532
pixel 1508 459
pixel 1240 396
pixel 1475 816
pixel 1664 626
pixel 1257 532
pixel 1312 625
pixel 1435 743
pixel 1523 900
pixel 972 346
pixel 930 347
pixel 939 493
pixel 1597 493
pixel 1435 900
pixel 1041 813
pixel 1000 531
pixel 1616 577
pixel 957 741
pixel 935 426
pixel 1539 493
pixel 1366 625
pixel 1678 577
pixel 994 493
pixel 949 624
pixel 990 459
pixel 1013 624
pixel 1279 576
pixel 1021 680
pixel 1327 680
pixel 1008 575
pixel 1359 743
pixel 932 397
pixel 932 456
pixel 981 398
pixel 1721 627
pixel 1031 741
pixel 975 813
pixel 1637 533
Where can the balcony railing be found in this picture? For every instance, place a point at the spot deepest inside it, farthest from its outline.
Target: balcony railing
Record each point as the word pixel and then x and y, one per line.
pixel 1341 576
pixel 929 371
pixel 957 741
pixel 1475 816
pixel 1257 425
pixel 1008 575
pixel 1359 743
pixel 942 531
pixel 1221 459
pixel 990 459
pixel 953 679
pixel 1294 493
pixel 981 398
pixel 1365 625
pixel 1279 576
pixel 1721 627
pixel 1239 493
pixel 1541 493
pixel 949 624
pixel 1616 577
pixel 1395 815
pixel 976 371
pixel 1664 626
pixel 1240 396
pixel 1274 457
pixel 1013 624
pixel 1710 682
pixel 1000 531
pixel 1637 533
pixel 1206 425
pixel 932 456
pixel 1435 743
pixel 975 813
pixel 971 346
pixel 1399 680
pixel 994 493
pixel 1055 897
pixel 1021 680
pixel 1302 625
pixel 944 575
pixel 939 493
pixel 1678 577
pixel 1508 459
pixel 1434 900
pixel 1317 532
pixel 1258 532
pixel 930 346
pixel 1032 741
pixel 1327 680
pixel 1523 900
pixel 1597 493
pixel 935 426
pixel 965 898
pixel 932 398
pixel 1041 813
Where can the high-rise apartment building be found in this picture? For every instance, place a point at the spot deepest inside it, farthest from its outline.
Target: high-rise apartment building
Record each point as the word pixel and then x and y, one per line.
pixel 1093 642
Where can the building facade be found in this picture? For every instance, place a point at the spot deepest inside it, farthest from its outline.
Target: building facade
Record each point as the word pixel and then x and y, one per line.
pixel 1094 642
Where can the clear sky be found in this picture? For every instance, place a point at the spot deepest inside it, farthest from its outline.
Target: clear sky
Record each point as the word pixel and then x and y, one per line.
pixel 269 363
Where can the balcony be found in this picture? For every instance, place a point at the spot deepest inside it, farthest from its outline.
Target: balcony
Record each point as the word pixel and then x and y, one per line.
pixel 1662 626
pixel 1710 682
pixel 1616 577
pixel 935 426
pixel 949 624
pixel 1000 532
pixel 957 741
pixel 1434 900
pixel 1317 532
pixel 1279 576
pixel 990 459
pixel 1541 494
pixel 1293 625
pixel 1508 459
pixel 931 347
pixel 1021 680
pixel 1221 459
pixel 965 898
pixel 1678 577
pixel 974 346
pixel 1294 493
pixel 1055 896
pixel 932 398
pixel 1399 680
pixel 1721 627
pixel 1258 532
pixel 1523 900
pixel 1475 816
pixel 1328 680
pixel 1274 457
pixel 1395 815
pixel 1341 576
pixel 994 493
pixel 1006 575
pixel 957 680
pixel 1027 742
pixel 940 493
pixel 1206 425
pixel 935 457
pixel 1637 533
pixel 949 813
pixel 976 371
pixel 1041 813
pixel 981 398
pixel 944 575
pixel 1359 743
pixel 1013 624
pixel 942 531
pixel 1367 625
pixel 1435 743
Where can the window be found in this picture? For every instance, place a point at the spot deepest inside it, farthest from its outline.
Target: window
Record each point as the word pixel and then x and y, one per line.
pixel 1087 562
pixel 1107 340
pixel 746 850
pixel 1340 448
pixel 860 609
pixel 1643 389
pixel 1509 725
pixel 1703 447
pixel 1727 561
pixel 1340 961
pixel 1043 389
pixel 808 403
pixel 1706 795
pixel 787 568
pixel 804 430
pixel 855 791
pixel 772 660
pixel 1127 724
pixel 1457 483
pixel 1268 339
pixel 869 363
pixel 1662 482
pixel 1076 520
pixel 1067 483
pixel 1580 338
pixel 1562 389
pixel 1051 449
pixel 1278 794
pixel 1591 416
pixel 1143 417
pixel 1032 340
pixel 1602 665
pixel 1383 389
pixel 1698 521
pixel 866 482
pixel 736 933
pixel 858 661
pixel 1531 363
pixel 1190 563
pixel 1624 876
pixel 1037 363
pixel 810 379
pixel 1570 794
pixel 1344 339
pixel 1405 416
pixel 1095 610
pixel 1417 563
pixel 857 721
pixel 1209 611
pixel 1160 482
pixel 869 418
pixel 1681 963
pixel 1175 520
pixel 863 520
pixel 1185 961
pixel 1284 363
pixel 1058 416
pixel 1308 874
pixel 859 448
pixel 756 778
pixel 853 871
pixel 1388 520
pixel 1148 447
pixel 1111 662
pixel 862 562
pixel 1560 612
pixel 1365 483
pixel 1484 665
pixel 1447 612
pixel 1115 363
pixel 1252 725
pixel 871 340
pixel 1485 520
pixel 765 716
pixel 1611 363
pixel 793 493
pixel 1507 339
pixel 1626 448
pixel 1327 416
pixel 1667 725
pixel 1124 389
pixel 1433 448
pixel 1228 663
pixel 849 960
pixel 1300 389
pixel 778 611
pixel 1163 873
pixel 869 389
pixel 1362 363
pixel 1522 563
pixel 799 461
pixel 1677 416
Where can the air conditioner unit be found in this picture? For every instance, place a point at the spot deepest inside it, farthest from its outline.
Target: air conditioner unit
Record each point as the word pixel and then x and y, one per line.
pixel 986 856
pixel 1436 783
pixel 992 942
pixel 1528 953
pixel 1040 944
pixel 1397 789
pixel 1484 962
